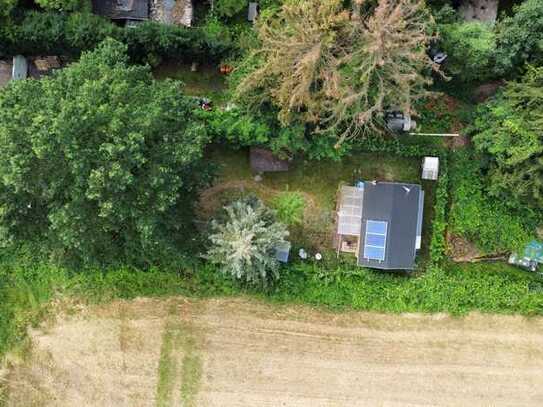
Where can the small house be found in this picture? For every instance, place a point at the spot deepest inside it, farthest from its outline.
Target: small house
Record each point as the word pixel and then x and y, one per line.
pixel 381 223
pixel 122 10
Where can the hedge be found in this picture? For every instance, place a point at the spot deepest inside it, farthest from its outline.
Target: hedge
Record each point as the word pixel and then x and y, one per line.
pixel 70 34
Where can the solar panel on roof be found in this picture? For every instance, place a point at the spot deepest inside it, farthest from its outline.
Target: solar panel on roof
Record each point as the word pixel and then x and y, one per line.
pixel 377 227
pixel 375 243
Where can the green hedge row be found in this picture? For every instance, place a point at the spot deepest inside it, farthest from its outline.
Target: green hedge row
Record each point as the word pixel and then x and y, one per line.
pixel 70 34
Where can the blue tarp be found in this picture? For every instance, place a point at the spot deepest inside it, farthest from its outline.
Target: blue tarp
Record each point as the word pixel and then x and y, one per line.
pixel 534 251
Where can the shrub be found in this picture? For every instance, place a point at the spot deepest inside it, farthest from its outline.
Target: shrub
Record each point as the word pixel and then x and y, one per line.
pixel 243 243
pixel 509 131
pixel 520 38
pixel 470 47
pixel 290 207
pixel 477 217
pixel 229 8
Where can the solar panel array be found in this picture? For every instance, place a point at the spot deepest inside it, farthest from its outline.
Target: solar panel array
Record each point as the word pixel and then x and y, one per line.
pixel 376 237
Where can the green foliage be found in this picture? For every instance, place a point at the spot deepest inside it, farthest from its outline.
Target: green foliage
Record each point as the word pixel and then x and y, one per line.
pixel 54 33
pixel 229 8
pixel 243 243
pixel 60 5
pixel 290 207
pixel 470 47
pixel 100 161
pixel 520 38
pixel 457 289
pixel 474 215
pixel 237 127
pixel 510 132
pixel 314 65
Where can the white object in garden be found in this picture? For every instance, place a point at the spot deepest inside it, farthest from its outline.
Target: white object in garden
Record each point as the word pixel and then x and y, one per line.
pixel 318 256
pixel 430 168
pixel 303 254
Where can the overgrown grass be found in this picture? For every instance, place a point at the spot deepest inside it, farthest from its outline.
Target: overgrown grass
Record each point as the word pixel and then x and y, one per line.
pixel 28 288
pixel 206 81
pixel 168 367
pixel 320 178
pixel 480 218
pixel 180 362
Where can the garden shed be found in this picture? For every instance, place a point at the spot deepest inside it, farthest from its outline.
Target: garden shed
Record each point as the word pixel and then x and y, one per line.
pixel 20 68
pixel 430 168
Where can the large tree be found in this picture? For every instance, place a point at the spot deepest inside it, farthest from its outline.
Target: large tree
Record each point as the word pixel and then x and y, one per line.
pixel 318 63
pixel 510 132
pixel 99 161
pixel 520 38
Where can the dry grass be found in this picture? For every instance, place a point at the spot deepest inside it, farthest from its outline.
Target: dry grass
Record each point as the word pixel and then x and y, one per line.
pixel 245 353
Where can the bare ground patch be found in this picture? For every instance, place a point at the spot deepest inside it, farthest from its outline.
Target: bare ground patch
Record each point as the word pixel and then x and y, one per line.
pixel 245 353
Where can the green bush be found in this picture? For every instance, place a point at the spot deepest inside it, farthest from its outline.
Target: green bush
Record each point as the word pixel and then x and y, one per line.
pixel 509 132
pixel 476 216
pixel 470 47
pixel 520 38
pixel 229 8
pixel 290 208
pixel 244 240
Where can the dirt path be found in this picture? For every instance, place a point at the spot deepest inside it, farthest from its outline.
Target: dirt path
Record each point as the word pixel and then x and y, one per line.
pixel 245 353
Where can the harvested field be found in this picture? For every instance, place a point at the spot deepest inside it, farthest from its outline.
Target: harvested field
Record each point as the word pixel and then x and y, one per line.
pixel 244 353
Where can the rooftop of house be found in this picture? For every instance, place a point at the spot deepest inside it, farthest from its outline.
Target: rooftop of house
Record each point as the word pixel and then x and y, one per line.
pixel 122 9
pixel 391 225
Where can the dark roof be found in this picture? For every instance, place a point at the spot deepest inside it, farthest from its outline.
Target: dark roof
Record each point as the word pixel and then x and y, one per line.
pixel 122 9
pixel 400 206
pixel 264 161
